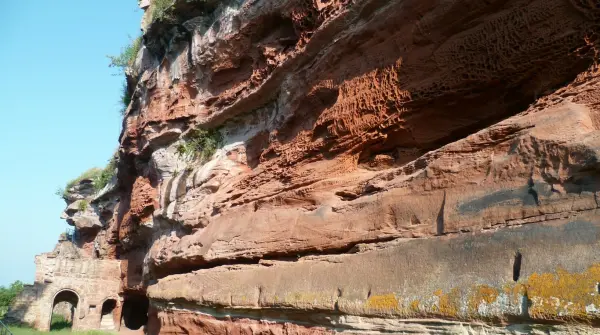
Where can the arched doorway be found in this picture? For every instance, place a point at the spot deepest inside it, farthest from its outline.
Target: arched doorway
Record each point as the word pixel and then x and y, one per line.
pixel 107 320
pixel 135 311
pixel 64 310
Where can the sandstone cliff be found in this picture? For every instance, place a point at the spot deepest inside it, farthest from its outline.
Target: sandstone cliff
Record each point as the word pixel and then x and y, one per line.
pixel 360 166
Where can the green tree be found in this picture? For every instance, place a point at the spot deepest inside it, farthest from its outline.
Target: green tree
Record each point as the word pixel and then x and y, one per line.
pixel 8 295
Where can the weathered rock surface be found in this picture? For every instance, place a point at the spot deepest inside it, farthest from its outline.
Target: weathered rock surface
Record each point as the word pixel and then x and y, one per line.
pixel 409 278
pixel 92 215
pixel 352 123
pixel 385 167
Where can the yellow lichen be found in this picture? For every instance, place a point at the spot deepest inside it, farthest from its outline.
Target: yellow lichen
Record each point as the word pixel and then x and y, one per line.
pixel 563 294
pixel 482 294
pixel 449 304
pixel 551 296
pixel 414 306
pixel 386 302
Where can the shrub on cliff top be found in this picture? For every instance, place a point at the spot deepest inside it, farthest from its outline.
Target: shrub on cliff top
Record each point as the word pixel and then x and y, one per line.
pixel 127 56
pixel 99 177
pixel 201 144
pixel 159 10
pixel 90 174
pixel 106 174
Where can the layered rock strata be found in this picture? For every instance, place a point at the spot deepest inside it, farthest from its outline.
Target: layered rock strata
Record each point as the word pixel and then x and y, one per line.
pixel 361 166
pixel 383 166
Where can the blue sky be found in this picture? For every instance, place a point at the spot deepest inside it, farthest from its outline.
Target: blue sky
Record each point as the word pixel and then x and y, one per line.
pixel 58 113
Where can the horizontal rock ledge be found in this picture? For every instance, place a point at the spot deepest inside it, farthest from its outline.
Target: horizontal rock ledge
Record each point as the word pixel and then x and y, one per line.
pixel 535 272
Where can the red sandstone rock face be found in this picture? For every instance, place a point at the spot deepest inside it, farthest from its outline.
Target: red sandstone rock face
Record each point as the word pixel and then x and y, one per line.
pixel 191 323
pixel 382 88
pixel 142 203
pixel 135 212
pixel 353 122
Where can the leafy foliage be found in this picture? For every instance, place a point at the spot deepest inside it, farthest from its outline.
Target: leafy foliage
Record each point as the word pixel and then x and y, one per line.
pixel 125 98
pixel 8 294
pixel 127 56
pixel 160 10
pixel 201 144
pixel 106 174
pixel 123 61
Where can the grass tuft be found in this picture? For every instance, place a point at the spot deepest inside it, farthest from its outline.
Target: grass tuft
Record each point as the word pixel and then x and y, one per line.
pixel 82 206
pixel 58 322
pixel 90 174
pixel 58 325
pixel 99 177
pixel 201 144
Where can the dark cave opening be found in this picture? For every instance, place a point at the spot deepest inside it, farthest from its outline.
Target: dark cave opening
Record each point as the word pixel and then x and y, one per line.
pixel 109 306
pixel 107 315
pixel 135 311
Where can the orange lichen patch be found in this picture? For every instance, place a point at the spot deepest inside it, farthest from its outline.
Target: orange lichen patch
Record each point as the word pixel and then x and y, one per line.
pixel 386 302
pixel 482 294
pixel 563 294
pixel 515 292
pixel 414 306
pixel 449 303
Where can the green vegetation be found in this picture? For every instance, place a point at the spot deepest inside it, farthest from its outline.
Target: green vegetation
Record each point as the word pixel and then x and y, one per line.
pixel 83 205
pixel 125 98
pixel 7 296
pixel 201 144
pixel 58 325
pixel 58 322
pixel 99 177
pixel 106 174
pixel 91 174
pixel 21 330
pixel 160 10
pixel 127 56
pixel 123 61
